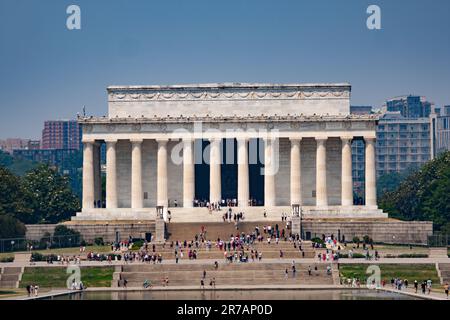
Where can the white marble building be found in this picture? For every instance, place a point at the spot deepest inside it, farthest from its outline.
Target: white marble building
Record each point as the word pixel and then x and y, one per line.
pixel 305 130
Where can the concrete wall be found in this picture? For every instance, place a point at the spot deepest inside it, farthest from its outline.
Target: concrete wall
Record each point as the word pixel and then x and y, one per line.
pixel 91 231
pixel 389 231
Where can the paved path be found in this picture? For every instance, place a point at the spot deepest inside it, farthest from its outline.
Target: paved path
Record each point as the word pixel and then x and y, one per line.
pixel 410 292
pixel 221 261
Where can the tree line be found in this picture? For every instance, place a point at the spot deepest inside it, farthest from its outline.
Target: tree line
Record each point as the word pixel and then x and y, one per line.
pixel 42 195
pixel 423 195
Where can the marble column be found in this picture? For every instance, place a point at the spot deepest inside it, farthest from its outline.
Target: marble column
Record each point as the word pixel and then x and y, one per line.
pixel 371 188
pixel 161 189
pixel 346 174
pixel 188 173
pixel 88 175
pixel 137 195
pixel 243 173
pixel 269 174
pixel 215 181
pixel 296 195
pixel 111 174
pixel 321 173
pixel 97 175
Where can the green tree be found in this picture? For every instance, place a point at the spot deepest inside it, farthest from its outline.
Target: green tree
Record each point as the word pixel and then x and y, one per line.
pixel 11 194
pixel 423 195
pixel 10 227
pixel 49 196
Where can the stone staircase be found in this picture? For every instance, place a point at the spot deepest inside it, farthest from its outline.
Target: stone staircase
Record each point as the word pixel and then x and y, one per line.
pixel 215 230
pixel 10 277
pixel 444 272
pixel 269 251
pixel 237 274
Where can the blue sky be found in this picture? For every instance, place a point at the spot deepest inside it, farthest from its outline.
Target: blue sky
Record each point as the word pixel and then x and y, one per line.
pixel 49 72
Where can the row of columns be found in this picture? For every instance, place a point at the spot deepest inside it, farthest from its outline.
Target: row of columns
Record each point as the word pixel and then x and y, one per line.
pixel 137 200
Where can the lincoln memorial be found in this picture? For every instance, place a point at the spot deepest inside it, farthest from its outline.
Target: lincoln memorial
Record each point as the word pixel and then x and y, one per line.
pixel 257 147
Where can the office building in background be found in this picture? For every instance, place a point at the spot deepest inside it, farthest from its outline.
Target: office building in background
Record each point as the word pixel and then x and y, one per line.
pixel 61 134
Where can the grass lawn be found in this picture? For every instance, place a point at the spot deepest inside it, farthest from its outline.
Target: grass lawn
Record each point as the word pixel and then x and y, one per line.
pixel 419 272
pixel 65 251
pixel 56 277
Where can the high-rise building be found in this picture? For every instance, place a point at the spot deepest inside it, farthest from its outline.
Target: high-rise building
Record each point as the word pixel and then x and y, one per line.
pixel 61 134
pixel 443 130
pixel 403 142
pixel 63 160
pixel 10 144
pixel 410 106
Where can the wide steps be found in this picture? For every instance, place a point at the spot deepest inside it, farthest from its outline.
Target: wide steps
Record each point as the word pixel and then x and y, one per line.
pixel 222 267
pixel 289 281
pixel 12 270
pixel 9 277
pixel 8 284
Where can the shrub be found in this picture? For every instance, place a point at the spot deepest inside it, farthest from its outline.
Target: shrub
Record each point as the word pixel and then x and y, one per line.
pixel 412 255
pixel 7 259
pixel 36 256
pixel 356 240
pixel 99 241
pixel 317 240
pixel 10 227
pixel 137 245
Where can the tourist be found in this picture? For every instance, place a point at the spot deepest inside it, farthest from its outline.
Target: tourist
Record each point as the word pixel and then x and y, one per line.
pixel 309 270
pixel 202 284
pixel 416 285
pixel 147 284
pixel 35 289
pixel 446 289
pixel 286 273
pixel 29 290
pixel 429 286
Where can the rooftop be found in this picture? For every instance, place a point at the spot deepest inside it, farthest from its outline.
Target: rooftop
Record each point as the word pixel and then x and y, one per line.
pixel 231 85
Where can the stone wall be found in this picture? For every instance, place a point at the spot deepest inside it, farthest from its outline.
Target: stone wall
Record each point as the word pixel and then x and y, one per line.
pixel 387 231
pixel 228 99
pixel 91 231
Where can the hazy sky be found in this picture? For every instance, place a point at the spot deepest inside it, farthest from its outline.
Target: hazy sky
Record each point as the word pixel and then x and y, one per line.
pixel 49 72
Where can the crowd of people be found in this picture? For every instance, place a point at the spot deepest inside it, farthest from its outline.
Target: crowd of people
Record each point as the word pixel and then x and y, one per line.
pixel 222 203
pixel 32 290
